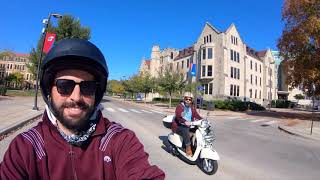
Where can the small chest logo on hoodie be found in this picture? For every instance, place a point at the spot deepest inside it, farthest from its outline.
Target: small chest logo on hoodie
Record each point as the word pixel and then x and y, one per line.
pixel 107 159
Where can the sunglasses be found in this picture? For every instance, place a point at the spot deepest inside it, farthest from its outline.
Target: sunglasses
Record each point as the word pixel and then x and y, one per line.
pixel 66 86
pixel 188 99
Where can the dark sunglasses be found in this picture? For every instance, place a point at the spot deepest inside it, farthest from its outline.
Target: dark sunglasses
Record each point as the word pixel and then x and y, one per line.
pixel 66 86
pixel 188 99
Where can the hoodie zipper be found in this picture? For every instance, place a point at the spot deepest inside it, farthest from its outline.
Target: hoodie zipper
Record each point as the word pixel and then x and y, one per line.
pixel 71 155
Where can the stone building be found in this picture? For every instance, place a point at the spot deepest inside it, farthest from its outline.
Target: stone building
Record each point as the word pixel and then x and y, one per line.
pixel 16 63
pixel 226 66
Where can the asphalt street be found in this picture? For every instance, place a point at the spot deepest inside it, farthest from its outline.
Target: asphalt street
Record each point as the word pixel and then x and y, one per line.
pixel 249 148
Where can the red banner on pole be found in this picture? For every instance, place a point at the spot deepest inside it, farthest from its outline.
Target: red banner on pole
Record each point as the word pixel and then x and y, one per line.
pixel 50 37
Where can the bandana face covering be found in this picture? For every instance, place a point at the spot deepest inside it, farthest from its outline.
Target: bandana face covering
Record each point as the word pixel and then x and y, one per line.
pixel 80 138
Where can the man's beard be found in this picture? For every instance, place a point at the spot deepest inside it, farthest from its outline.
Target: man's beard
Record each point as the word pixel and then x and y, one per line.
pixel 75 126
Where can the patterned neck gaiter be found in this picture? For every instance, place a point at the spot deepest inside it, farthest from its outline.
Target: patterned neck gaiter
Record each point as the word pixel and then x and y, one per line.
pixel 80 138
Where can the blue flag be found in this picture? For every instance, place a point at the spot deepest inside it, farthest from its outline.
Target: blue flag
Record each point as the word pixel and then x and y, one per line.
pixel 193 70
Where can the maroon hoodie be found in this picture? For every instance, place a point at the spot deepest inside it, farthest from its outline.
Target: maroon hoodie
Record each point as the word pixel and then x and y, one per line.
pixel 112 152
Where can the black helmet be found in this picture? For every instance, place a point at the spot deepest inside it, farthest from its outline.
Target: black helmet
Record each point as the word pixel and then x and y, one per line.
pixel 73 54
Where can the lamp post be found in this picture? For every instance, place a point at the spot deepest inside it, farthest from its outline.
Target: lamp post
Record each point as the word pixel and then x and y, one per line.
pixel 46 22
pixel 270 82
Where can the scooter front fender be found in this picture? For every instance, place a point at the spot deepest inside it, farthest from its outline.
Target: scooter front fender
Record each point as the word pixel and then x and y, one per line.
pixel 209 154
pixel 175 139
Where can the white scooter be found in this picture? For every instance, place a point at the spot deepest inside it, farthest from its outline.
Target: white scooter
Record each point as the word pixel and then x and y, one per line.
pixel 201 144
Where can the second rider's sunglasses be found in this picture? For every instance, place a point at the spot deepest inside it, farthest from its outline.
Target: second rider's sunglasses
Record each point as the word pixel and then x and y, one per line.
pixel 66 86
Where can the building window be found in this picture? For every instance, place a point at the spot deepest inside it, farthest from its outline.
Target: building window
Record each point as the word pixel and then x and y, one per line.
pixel 250 64
pixel 171 55
pixel 255 94
pixel 256 67
pixel 231 54
pixel 259 94
pixel 238 73
pixel 204 53
pixel 188 61
pixel 250 93
pixel 206 89
pixel 235 73
pixel 177 65
pixel 256 80
pixel 251 79
pixel 260 68
pixel 210 53
pixel 209 70
pixel 238 90
pixel 238 57
pixel 203 71
pixel 210 38
pixel 204 40
pixel 182 64
pixel 231 89
pixel 231 72
pixel 210 88
pixel 260 81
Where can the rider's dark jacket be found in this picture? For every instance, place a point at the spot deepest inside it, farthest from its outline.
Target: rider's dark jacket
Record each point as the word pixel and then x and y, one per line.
pixel 112 152
pixel 179 120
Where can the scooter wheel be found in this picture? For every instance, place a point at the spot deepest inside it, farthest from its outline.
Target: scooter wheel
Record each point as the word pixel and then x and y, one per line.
pixel 208 166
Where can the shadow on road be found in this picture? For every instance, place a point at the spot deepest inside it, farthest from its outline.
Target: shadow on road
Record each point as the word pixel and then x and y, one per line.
pixel 165 143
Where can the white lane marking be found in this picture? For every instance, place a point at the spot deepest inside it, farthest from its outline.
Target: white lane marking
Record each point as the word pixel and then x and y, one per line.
pixel 133 110
pixel 145 111
pixel 157 111
pixel 233 117
pixel 122 110
pixel 270 123
pixel 110 109
pixel 258 120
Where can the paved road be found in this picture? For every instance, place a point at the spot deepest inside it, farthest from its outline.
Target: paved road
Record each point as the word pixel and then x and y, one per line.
pixel 247 149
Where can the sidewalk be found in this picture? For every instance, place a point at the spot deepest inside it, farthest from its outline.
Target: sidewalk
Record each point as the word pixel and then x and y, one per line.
pixel 295 122
pixel 17 111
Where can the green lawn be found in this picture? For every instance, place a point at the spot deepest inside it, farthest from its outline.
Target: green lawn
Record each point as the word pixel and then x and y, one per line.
pixel 20 92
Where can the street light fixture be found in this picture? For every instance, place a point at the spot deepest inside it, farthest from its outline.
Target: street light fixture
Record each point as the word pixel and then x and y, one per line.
pixel 270 82
pixel 46 22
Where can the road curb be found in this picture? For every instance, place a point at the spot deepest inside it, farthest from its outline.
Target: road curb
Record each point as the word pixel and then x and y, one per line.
pixel 18 125
pixel 296 134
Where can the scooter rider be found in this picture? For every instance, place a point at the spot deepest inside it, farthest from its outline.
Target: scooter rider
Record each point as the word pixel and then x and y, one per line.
pixel 185 113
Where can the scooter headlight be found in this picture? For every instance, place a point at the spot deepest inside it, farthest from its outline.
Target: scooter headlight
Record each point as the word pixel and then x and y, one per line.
pixel 204 124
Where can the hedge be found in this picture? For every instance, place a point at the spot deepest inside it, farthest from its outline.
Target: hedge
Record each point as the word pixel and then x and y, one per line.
pixel 3 90
pixel 233 105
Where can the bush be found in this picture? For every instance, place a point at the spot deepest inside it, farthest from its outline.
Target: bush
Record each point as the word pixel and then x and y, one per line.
pixel 281 103
pixel 3 90
pixel 174 101
pixel 255 106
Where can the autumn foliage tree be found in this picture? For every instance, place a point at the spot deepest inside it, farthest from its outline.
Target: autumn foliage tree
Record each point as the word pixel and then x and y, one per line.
pixel 299 44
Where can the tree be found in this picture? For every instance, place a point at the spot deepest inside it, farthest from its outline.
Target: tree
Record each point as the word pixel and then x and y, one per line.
pixel 171 82
pixel 68 27
pixel 132 84
pixel 16 78
pixel 192 87
pixel 6 53
pixel 298 97
pixel 147 84
pixel 299 44
pixel 116 87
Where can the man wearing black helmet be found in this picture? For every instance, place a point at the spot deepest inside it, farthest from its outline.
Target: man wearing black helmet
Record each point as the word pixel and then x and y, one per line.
pixel 74 140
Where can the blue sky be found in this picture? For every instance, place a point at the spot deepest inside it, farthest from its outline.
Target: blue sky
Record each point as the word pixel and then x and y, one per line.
pixel 126 30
